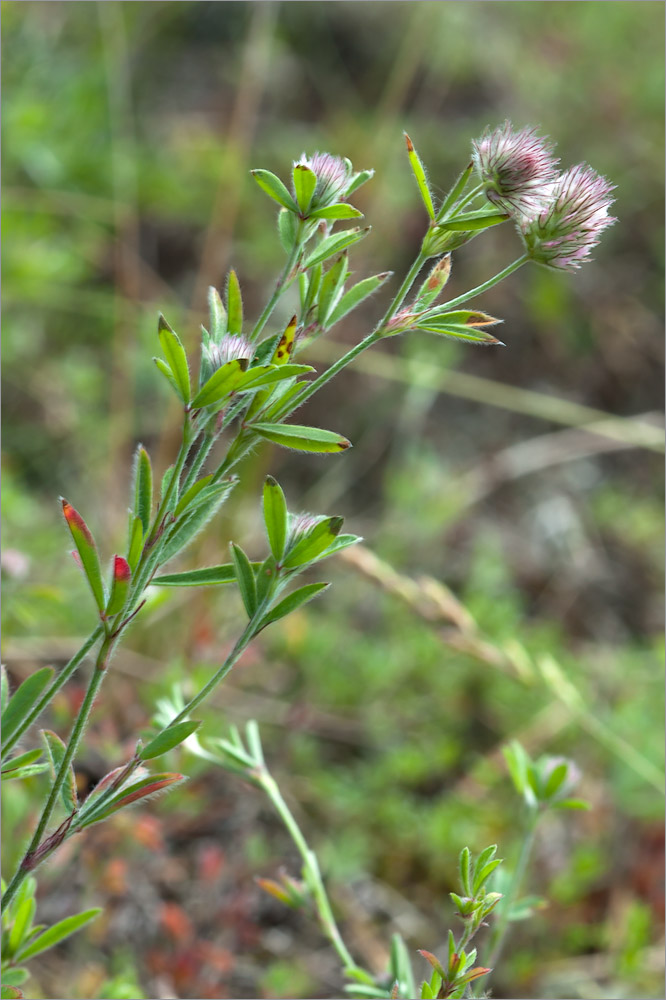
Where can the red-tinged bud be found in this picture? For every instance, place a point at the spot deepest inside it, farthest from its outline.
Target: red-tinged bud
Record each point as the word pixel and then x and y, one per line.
pixel 75 521
pixel 141 793
pixel 122 574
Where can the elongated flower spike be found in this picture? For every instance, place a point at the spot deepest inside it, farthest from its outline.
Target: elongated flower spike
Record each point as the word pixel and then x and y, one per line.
pixel 564 232
pixel 515 168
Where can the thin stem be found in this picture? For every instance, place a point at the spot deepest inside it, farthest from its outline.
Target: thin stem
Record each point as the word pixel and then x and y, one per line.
pixel 281 286
pixel 310 864
pixel 28 862
pixel 499 935
pixel 50 693
pixel 490 283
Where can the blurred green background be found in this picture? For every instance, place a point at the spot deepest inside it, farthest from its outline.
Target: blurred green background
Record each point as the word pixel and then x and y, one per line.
pixel 128 133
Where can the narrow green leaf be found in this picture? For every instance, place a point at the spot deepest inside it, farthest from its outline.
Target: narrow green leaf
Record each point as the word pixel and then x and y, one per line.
pixel 209 576
pixel 462 317
pixel 15 977
pixel 570 804
pixel 176 358
pixel 54 935
pixel 303 438
pixel 456 191
pixel 221 383
pixel 482 875
pixel 165 486
pixel 275 516
pixel 142 788
pixel 355 295
pixel 20 773
pixel 338 211
pixel 190 523
pixel 334 244
pixel 244 578
pixel 234 305
pixel 555 780
pixel 143 487
pixel 339 543
pixel 332 286
pixel 464 866
pixel 287 228
pixel 4 688
pixel 56 750
pixel 360 178
pixel 281 400
pixel 319 538
pixel 87 550
pixel 486 855
pixel 169 375
pixel 23 699
pixel 274 187
pixel 23 918
pixel 135 543
pixel 22 760
pixel 470 335
pixel 218 314
pixel 291 603
pixel 434 283
pixel 420 175
pixel 401 967
pixel 167 740
pixel 470 221
pixel 190 494
pixel 272 376
pixel 305 182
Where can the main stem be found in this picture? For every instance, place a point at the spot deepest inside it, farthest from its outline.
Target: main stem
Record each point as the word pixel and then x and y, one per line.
pixel 94 685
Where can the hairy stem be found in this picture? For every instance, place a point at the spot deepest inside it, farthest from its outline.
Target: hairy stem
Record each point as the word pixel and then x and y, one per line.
pixel 490 283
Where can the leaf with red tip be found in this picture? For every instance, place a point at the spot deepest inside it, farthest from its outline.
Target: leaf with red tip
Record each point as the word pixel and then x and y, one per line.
pixel 140 788
pixel 87 550
pixel 143 487
pixel 122 574
pixel 434 961
pixel 420 175
pixel 474 973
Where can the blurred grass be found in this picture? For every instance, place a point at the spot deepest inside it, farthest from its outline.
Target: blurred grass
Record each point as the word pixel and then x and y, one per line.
pixel 527 480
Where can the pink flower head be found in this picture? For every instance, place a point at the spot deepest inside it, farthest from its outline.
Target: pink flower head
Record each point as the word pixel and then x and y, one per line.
pixel 562 234
pixel 230 347
pixel 515 168
pixel 333 177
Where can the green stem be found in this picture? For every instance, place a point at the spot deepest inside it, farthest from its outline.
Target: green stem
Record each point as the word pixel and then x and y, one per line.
pixel 94 685
pixel 490 283
pixel 50 693
pixel 178 468
pixel 281 286
pixel 310 865
pixel 498 938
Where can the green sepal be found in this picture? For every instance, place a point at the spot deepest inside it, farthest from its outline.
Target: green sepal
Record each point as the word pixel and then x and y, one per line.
pixel 176 358
pixel 302 438
pixel 362 177
pixel 87 550
pixel 420 175
pixel 22 700
pixel 318 538
pixel 56 750
pixel 234 305
pixel 275 516
pixel 341 210
pixel 305 182
pixel 143 487
pixel 355 295
pixel 294 600
pixel 244 578
pixel 168 739
pixel 455 192
pixel 274 187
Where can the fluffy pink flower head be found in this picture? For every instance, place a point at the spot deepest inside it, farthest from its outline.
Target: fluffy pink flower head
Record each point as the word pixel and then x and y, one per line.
pixel 333 177
pixel 514 168
pixel 562 234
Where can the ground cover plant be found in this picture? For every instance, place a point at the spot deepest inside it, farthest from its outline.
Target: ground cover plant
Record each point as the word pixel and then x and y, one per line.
pixel 345 723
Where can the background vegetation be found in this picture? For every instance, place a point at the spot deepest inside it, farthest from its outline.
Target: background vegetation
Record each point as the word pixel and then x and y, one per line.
pixel 129 130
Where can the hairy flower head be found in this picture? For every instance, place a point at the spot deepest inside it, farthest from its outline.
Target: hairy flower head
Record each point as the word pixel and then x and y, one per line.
pixel 333 177
pixel 514 168
pixel 229 348
pixel 562 234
